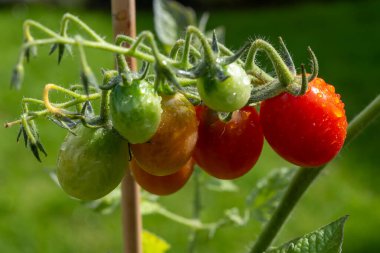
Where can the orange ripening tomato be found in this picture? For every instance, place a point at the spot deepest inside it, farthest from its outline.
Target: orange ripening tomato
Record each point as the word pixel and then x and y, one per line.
pixel 162 185
pixel 173 143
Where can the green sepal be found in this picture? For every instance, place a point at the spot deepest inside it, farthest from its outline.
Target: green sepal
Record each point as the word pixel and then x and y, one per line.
pixel 34 149
pixel 17 76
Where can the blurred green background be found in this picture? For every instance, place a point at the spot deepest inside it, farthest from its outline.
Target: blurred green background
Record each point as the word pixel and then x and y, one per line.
pixel 36 216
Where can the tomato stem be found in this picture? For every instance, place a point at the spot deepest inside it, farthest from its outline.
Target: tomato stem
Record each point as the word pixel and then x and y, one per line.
pixel 192 223
pixel 78 99
pixel 265 91
pixel 209 55
pixel 284 75
pixel 69 17
pixel 287 57
pixel 305 176
pixel 363 119
pixel 104 106
pixel 197 208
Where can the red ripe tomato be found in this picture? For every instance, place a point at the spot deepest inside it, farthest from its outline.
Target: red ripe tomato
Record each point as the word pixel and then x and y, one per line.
pixel 228 150
pixel 173 143
pixel 162 185
pixel 307 130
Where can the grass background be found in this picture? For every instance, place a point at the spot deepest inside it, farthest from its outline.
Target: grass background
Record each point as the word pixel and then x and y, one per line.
pixel 36 216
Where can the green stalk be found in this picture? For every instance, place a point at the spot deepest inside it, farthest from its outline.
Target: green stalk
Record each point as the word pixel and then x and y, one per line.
pixel 197 208
pixel 104 106
pixel 305 176
pixel 38 114
pixel 208 53
pixel 284 75
pixel 69 17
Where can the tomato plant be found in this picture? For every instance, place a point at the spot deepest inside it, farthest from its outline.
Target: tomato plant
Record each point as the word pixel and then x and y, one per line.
pixel 301 116
pixel 92 162
pixel 307 130
pixel 173 143
pixel 162 185
pixel 228 150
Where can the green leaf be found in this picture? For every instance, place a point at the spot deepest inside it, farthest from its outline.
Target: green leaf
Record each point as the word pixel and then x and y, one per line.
pixel 233 215
pixel 106 205
pixel 171 19
pixel 328 239
pixel 222 186
pixel 266 195
pixel 154 244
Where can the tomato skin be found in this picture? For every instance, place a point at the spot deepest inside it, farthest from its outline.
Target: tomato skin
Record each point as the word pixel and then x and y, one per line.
pixel 92 163
pixel 228 95
pixel 173 143
pixel 228 150
pixel 306 130
pixel 162 185
pixel 135 111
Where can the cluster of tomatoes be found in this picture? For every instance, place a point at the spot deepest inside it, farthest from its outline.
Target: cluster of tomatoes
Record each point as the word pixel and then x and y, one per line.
pixel 166 135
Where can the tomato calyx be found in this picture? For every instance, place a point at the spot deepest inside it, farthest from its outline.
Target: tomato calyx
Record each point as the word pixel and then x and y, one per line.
pixel 222 83
pixel 212 63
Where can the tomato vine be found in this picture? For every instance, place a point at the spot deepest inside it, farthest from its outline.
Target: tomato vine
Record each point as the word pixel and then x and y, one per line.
pixel 153 110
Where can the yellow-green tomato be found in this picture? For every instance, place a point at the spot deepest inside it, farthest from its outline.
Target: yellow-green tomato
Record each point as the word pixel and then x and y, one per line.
pixel 135 111
pixel 92 163
pixel 228 95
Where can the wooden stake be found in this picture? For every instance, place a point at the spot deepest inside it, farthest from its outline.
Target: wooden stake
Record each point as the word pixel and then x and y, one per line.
pixel 124 22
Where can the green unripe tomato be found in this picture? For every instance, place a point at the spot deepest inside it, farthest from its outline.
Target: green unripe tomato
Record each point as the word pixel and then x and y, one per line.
pixel 228 95
pixel 92 163
pixel 135 111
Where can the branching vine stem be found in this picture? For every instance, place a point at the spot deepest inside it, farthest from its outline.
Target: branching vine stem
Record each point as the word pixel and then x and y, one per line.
pixel 192 223
pixel 53 107
pixel 284 75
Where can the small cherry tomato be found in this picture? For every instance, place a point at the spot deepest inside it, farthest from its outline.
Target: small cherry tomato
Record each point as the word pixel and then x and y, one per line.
pixel 307 130
pixel 173 143
pixel 228 150
pixel 135 110
pixel 228 95
pixel 162 185
pixel 91 163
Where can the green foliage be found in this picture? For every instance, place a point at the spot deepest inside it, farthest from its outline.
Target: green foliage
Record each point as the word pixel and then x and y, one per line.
pixel 106 205
pixel 171 19
pixel 221 185
pixel 327 239
pixel 267 193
